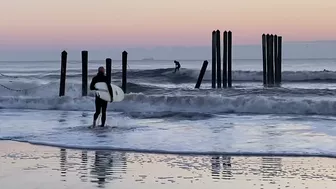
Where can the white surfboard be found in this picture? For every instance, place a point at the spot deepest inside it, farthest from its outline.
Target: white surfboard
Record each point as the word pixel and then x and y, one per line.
pixel 103 93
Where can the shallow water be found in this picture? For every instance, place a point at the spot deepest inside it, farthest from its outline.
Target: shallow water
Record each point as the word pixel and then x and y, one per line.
pixel 175 133
pixel 162 112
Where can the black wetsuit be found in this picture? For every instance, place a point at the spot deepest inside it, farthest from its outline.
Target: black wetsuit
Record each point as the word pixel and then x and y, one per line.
pixel 100 104
pixel 177 66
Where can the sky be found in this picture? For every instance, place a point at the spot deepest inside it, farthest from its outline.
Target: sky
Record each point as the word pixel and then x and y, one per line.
pixel 89 24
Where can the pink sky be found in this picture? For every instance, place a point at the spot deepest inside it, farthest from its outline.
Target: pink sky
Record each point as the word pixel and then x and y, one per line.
pixel 74 23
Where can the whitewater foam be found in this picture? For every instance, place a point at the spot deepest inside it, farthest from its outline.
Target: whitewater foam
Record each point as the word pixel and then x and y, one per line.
pixel 159 104
pixel 184 75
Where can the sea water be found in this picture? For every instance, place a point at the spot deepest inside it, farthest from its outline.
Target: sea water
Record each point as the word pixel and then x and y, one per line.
pixel 163 112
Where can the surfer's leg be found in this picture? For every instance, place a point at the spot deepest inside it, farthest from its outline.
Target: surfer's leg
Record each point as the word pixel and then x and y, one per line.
pixel 98 106
pixel 103 118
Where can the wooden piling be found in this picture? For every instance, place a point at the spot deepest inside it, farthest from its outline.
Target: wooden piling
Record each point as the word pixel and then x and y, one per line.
pixel 275 56
pixel 124 71
pixel 63 73
pixel 108 69
pixel 279 60
pixel 229 59
pixel 225 57
pixel 268 58
pixel 272 60
pixel 264 53
pixel 218 58
pixel 214 59
pixel 201 75
pixel 84 73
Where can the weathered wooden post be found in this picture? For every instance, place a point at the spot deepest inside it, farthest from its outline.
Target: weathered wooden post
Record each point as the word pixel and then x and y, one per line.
pixel 268 59
pixel 108 69
pixel 275 45
pixel 214 59
pixel 201 75
pixel 84 73
pixel 271 60
pixel 225 57
pixel 271 51
pixel 63 73
pixel 279 57
pixel 264 59
pixel 229 59
pixel 218 58
pixel 124 71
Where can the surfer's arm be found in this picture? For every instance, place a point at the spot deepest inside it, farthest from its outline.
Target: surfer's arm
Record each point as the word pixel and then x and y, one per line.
pixel 92 84
pixel 110 90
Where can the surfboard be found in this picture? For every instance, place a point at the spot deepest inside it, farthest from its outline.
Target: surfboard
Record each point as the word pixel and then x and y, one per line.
pixel 103 93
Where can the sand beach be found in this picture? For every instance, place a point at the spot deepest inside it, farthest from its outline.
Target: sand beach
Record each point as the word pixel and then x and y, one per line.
pixel 27 166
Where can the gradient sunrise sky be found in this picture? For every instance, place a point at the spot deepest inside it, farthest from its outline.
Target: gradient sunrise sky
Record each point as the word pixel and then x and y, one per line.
pixel 144 23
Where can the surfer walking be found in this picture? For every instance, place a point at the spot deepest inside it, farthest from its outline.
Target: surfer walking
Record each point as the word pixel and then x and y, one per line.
pixel 177 66
pixel 101 105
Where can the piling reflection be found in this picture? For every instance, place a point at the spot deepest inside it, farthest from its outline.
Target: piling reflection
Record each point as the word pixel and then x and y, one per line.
pixel 105 168
pixel 221 167
pixel 270 167
pixel 63 117
pixel 83 170
pixel 63 163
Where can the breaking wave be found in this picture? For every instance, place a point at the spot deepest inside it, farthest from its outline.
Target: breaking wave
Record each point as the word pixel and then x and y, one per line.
pixel 138 104
pixel 184 75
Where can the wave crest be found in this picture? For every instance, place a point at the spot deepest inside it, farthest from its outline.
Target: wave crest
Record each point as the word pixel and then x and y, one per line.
pixel 188 75
pixel 159 105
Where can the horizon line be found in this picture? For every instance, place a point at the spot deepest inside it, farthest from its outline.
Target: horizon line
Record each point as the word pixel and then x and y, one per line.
pixel 119 60
pixel 157 46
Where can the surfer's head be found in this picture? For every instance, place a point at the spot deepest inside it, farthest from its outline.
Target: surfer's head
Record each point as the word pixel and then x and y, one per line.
pixel 101 70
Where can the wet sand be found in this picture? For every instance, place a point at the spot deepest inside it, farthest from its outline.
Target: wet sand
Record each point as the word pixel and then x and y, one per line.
pixel 51 167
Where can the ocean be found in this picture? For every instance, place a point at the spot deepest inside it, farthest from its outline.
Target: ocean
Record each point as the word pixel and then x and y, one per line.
pixel 163 112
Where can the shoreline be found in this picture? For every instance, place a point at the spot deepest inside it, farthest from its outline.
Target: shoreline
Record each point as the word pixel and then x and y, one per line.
pixel 177 153
pixel 54 167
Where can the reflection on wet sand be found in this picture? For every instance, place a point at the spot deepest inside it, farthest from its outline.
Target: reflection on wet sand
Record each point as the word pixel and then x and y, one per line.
pixel 221 165
pixel 105 164
pixel 63 163
pixel 108 166
pixel 270 167
pixel 66 168
pixel 102 168
pixel 83 170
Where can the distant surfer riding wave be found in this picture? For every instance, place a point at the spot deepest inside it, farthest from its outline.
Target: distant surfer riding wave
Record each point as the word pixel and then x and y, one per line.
pixel 177 66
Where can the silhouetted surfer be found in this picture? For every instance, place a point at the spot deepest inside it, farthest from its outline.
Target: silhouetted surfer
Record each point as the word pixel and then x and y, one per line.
pixel 100 104
pixel 177 66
